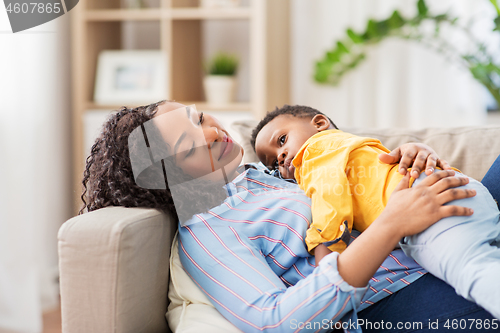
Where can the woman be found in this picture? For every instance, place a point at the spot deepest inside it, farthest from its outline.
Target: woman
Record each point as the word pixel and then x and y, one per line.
pixel 247 254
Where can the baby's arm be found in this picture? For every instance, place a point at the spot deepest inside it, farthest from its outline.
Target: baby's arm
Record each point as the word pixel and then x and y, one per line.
pixel 320 251
pixel 324 180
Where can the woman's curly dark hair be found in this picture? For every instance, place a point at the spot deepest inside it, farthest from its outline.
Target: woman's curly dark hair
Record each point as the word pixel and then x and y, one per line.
pixel 108 179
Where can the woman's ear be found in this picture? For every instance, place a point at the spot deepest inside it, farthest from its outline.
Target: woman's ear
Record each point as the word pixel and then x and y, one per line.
pixel 321 122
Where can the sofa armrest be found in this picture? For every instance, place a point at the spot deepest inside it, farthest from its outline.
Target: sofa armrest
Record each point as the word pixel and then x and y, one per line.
pixel 114 270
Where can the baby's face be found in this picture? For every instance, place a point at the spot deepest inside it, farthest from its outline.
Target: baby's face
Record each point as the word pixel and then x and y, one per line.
pixel 279 141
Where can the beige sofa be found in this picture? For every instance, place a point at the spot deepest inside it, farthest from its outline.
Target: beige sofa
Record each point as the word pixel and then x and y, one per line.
pixel 114 262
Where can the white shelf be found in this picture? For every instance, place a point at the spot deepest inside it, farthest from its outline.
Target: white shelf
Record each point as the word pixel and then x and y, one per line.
pixel 123 15
pixel 206 13
pixel 152 14
pixel 97 26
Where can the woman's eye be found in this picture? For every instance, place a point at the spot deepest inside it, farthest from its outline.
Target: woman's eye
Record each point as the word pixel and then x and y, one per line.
pixel 201 119
pixel 190 152
pixel 281 139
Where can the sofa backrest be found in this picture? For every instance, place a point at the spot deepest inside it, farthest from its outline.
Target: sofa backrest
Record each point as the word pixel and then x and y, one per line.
pixel 470 149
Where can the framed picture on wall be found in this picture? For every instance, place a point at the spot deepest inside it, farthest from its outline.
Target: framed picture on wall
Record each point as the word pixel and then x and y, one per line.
pixel 133 77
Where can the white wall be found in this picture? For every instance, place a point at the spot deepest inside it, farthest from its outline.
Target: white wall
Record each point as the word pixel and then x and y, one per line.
pixel 399 84
pixel 34 168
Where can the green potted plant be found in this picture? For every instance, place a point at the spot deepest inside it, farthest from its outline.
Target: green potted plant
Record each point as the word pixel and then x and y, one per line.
pixel 220 81
pixel 349 52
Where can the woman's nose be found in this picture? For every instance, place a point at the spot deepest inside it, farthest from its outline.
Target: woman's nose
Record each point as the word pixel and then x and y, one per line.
pixel 211 135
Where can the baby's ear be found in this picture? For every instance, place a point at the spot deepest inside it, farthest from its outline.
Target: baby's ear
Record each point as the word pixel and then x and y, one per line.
pixel 321 122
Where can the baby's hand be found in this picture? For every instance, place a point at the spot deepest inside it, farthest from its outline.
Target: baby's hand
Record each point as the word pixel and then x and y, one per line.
pixel 417 156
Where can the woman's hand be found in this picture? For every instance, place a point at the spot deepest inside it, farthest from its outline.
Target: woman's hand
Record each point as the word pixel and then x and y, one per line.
pixel 423 204
pixel 408 211
pixel 416 155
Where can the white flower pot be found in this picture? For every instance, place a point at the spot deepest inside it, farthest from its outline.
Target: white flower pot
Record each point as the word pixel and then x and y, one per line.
pixel 219 89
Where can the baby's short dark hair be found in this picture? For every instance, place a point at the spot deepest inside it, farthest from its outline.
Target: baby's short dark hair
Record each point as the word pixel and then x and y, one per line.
pixel 292 110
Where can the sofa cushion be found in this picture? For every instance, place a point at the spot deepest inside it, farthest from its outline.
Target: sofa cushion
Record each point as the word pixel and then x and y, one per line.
pixel 190 310
pixel 470 149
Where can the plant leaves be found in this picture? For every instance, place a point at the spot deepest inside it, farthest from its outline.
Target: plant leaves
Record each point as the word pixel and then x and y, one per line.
pixel 322 71
pixel 492 68
pixel 495 4
pixel 333 56
pixel 344 56
pixel 496 69
pixel 357 39
pixel 382 28
pixel 371 29
pixel 222 64
pixel 422 8
pixel 396 20
pixel 479 72
pixel 437 30
pixel 468 57
pixel 440 18
pixel 342 48
pixel 376 30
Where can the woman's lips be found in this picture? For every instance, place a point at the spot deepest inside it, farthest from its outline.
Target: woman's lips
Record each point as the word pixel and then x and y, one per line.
pixel 226 146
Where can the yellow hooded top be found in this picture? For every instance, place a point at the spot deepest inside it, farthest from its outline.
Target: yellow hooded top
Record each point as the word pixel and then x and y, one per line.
pixel 348 185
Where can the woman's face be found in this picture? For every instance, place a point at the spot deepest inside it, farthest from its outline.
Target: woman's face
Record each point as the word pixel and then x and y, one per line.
pixel 199 143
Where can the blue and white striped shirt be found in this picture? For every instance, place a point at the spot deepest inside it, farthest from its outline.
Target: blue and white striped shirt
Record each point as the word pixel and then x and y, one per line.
pixel 249 257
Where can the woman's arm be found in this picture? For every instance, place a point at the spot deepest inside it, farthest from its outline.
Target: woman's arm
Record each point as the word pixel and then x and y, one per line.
pixel 409 211
pixel 240 283
pixel 415 155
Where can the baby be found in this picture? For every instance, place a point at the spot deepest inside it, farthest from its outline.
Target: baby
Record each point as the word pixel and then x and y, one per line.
pixel 349 188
